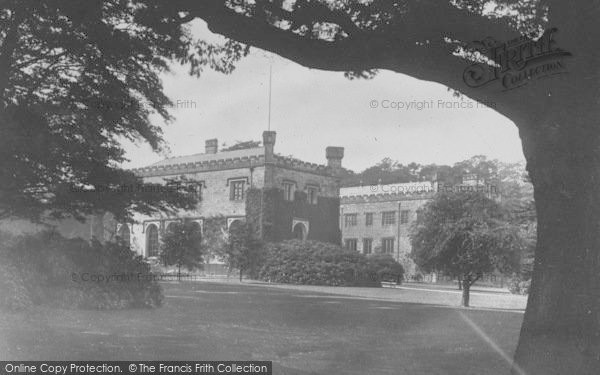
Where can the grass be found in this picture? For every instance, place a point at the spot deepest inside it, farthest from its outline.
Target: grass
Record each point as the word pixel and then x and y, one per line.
pixel 302 332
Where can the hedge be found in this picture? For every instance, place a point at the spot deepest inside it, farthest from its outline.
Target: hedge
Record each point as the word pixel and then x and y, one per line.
pixel 45 268
pixel 318 263
pixel 516 285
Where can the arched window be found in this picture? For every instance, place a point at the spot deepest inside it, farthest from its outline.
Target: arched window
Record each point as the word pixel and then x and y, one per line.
pixel 125 234
pixel 152 247
pixel 300 232
pixel 236 225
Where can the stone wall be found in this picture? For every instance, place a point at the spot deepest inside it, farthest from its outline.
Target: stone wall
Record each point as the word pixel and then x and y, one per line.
pixel 377 232
pixel 216 201
pixel 328 185
pixel 216 190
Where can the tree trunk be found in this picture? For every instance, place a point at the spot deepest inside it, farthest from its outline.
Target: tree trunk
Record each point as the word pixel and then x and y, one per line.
pixel 240 275
pixel 459 284
pixel 466 288
pixel 561 327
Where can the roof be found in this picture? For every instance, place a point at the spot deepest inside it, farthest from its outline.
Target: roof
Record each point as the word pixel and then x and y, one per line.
pixel 400 188
pixel 195 158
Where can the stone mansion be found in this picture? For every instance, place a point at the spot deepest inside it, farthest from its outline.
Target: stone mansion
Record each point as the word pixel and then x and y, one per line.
pixel 281 197
pixel 378 218
pixel 292 198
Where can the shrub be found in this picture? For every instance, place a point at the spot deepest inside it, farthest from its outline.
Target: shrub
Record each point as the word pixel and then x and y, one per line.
pixel 73 273
pixel 318 263
pixel 517 285
pixel 385 267
pixel 13 293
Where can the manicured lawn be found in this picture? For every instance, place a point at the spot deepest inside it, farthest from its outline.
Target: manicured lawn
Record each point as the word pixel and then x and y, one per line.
pixel 302 332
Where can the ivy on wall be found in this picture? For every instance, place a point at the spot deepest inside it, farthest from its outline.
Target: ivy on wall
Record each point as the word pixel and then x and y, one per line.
pixel 277 215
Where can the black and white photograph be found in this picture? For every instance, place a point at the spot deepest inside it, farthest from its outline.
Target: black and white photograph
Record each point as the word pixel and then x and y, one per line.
pixel 300 187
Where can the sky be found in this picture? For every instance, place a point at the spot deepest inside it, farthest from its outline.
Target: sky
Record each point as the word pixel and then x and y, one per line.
pixel 391 115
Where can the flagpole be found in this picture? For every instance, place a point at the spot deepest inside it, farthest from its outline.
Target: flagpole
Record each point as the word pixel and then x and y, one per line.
pixel 270 88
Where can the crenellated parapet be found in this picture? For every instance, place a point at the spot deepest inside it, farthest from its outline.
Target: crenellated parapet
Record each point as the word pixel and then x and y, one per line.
pixel 389 197
pixel 204 166
pixel 303 166
pixel 214 160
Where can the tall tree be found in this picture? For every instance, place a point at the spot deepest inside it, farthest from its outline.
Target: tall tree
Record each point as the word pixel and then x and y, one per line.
pixel 215 237
pixel 181 246
pixel 243 250
pixel 387 171
pixel 468 235
pixel 479 167
pixel 76 78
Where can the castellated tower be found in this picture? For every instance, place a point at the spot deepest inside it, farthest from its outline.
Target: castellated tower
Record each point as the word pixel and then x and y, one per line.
pixel 334 157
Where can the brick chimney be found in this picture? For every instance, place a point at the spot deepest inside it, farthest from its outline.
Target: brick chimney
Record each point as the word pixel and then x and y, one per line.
pixel 269 144
pixel 334 157
pixel 212 146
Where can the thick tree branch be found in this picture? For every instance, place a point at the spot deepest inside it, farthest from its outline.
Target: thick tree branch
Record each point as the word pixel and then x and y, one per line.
pixel 7 49
pixel 316 13
pixel 411 44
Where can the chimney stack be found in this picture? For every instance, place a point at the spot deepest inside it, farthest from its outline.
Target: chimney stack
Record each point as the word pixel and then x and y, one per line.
pixel 334 157
pixel 212 146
